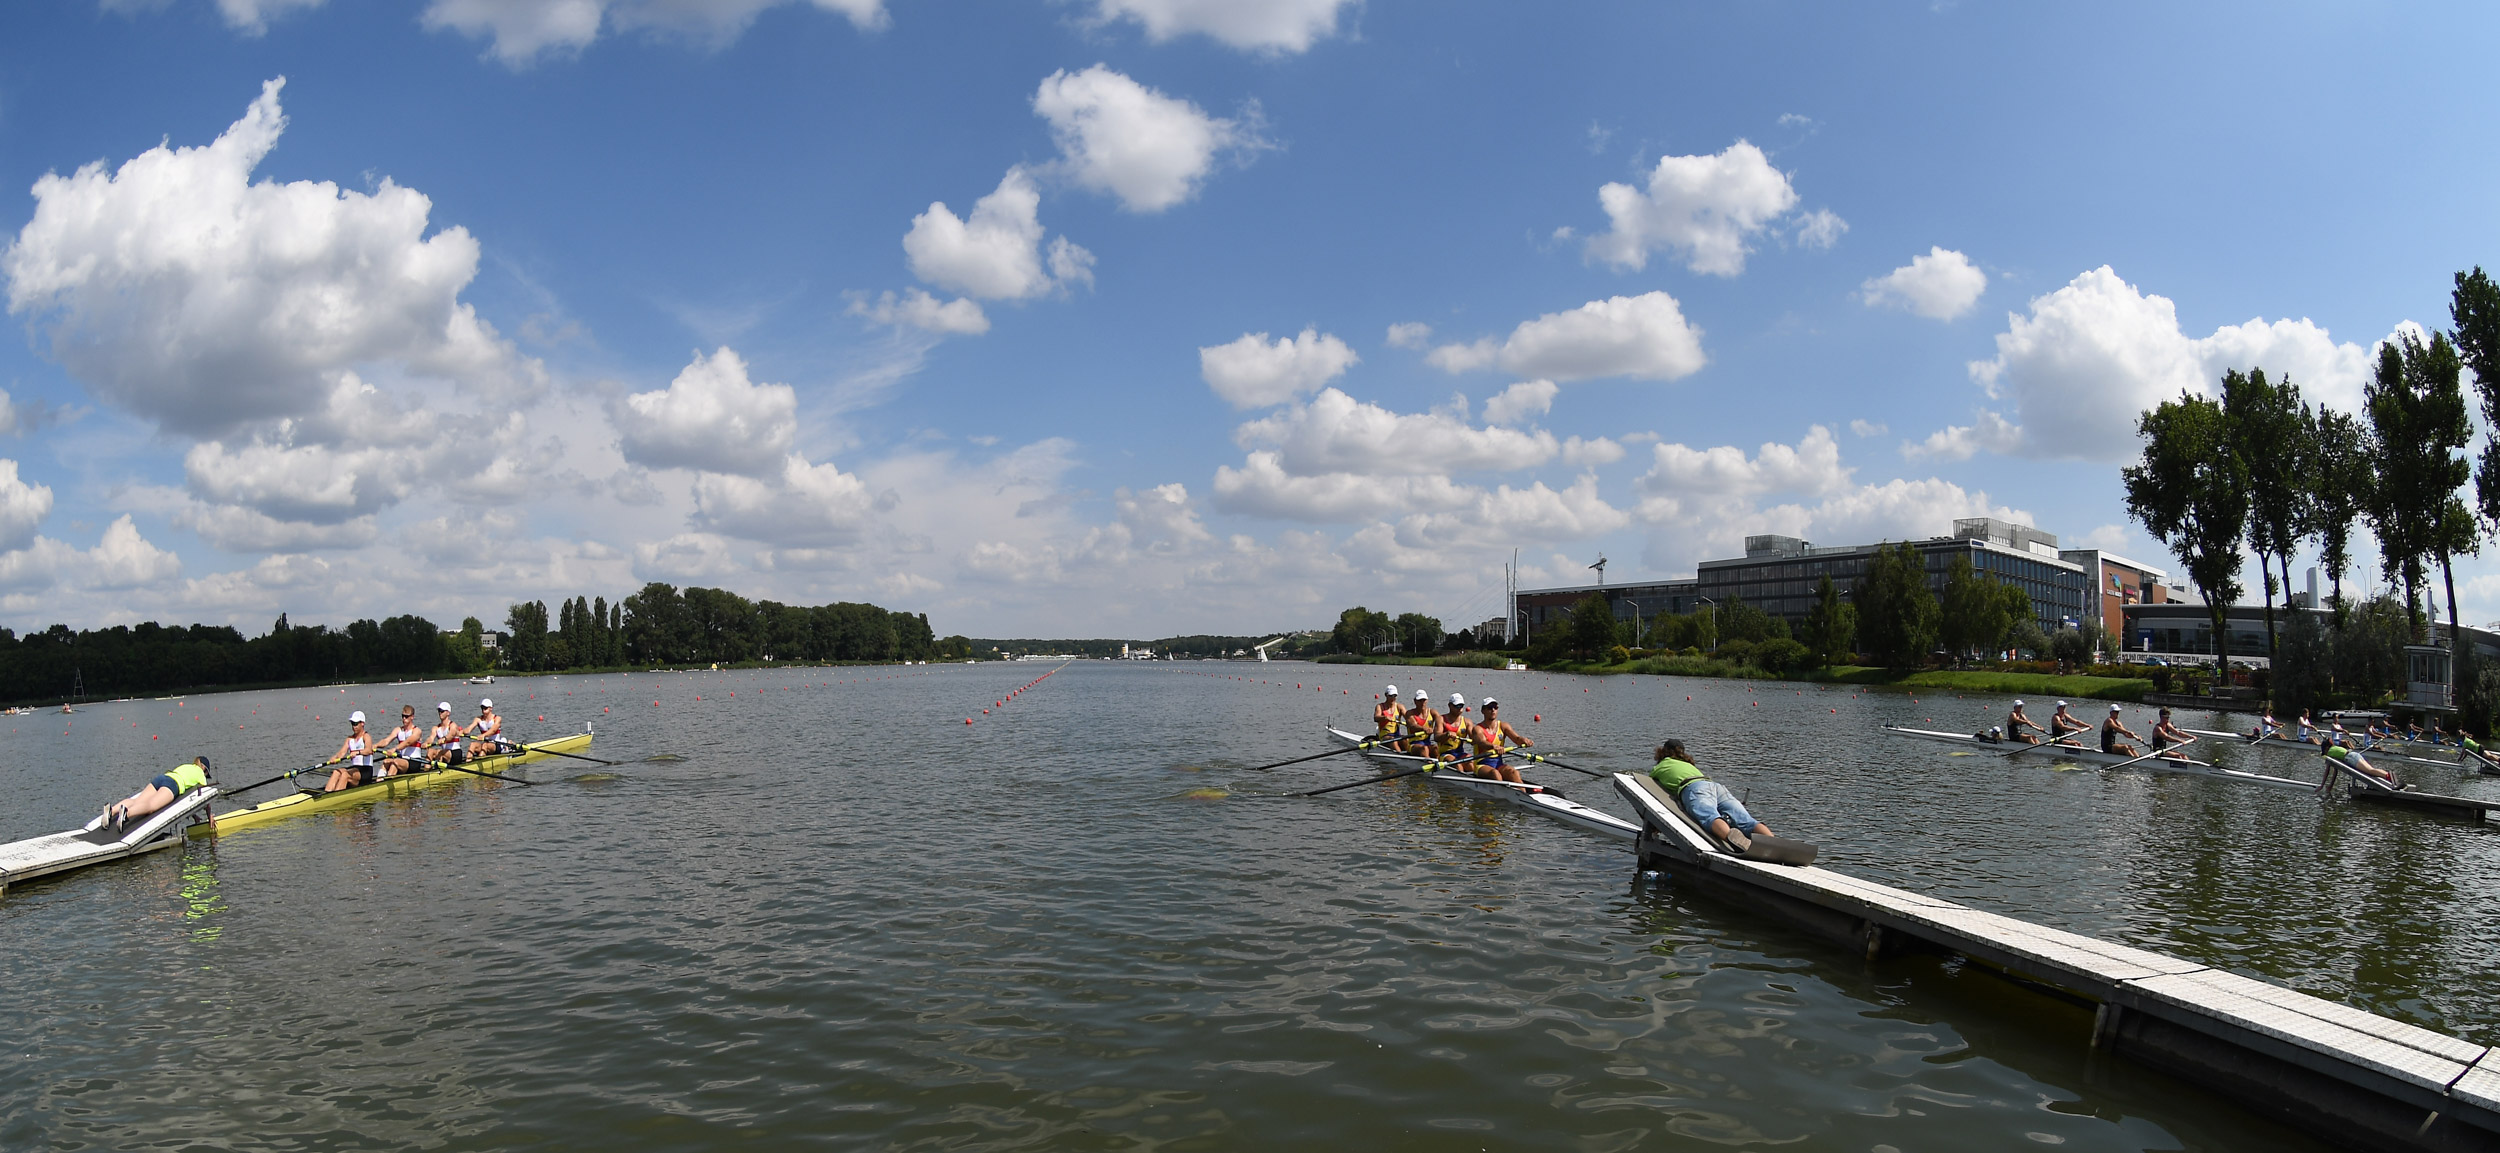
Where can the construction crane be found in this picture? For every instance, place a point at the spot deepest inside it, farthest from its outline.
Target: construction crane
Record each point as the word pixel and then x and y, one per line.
pixel 1262 648
pixel 1600 566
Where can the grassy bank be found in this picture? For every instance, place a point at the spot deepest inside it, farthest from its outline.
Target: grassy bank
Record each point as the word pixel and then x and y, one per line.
pixel 1443 661
pixel 1956 680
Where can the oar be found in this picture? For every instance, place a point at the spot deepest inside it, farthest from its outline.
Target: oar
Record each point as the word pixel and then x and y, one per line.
pixel 2056 742
pixel 288 775
pixel 1356 747
pixel 2153 754
pixel 552 753
pixel 1559 765
pixel 1390 777
pixel 474 772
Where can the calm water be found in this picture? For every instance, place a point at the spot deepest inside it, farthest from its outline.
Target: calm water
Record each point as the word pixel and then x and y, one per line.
pixel 845 918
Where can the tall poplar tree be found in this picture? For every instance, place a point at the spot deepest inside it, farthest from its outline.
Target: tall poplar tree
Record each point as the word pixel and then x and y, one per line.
pixel 2266 431
pixel 2190 491
pixel 2343 476
pixel 2417 410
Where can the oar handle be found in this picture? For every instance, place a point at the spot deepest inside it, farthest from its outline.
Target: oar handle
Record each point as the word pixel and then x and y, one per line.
pixel 1356 747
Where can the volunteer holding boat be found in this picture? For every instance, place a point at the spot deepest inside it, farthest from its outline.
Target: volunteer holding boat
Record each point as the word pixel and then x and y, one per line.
pixel 1711 805
pixel 158 793
pixel 1493 736
pixel 2352 759
pixel 357 752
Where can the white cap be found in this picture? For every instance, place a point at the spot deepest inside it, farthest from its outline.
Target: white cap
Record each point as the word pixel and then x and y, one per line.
pixel 1421 695
pixel 356 718
pixel 1458 700
pixel 1393 690
pixel 1489 703
pixel 486 702
pixel 442 706
pixel 2113 708
pixel 2061 704
pixel 2018 704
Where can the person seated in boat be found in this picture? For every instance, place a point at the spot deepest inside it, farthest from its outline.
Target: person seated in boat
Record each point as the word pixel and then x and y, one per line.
pixel 2114 728
pixel 354 758
pixel 1421 727
pixel 2266 726
pixel 1449 734
pixel 156 794
pixel 2064 725
pixel 1709 803
pixel 1387 715
pixel 2016 722
pixel 403 748
pixel 2167 736
pixel 2351 758
pixel 1494 738
pixel 444 737
pixel 486 732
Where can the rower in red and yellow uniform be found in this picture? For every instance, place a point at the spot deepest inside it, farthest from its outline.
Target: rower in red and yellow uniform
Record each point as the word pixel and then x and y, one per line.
pixel 1450 736
pixel 1420 726
pixel 1494 737
pixel 1387 716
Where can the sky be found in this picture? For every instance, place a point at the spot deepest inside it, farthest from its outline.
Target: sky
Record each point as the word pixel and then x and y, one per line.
pixel 1145 317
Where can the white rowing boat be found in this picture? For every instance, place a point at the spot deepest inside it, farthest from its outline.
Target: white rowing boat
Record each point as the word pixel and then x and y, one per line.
pixel 2378 751
pixel 2087 756
pixel 1535 797
pixel 97 843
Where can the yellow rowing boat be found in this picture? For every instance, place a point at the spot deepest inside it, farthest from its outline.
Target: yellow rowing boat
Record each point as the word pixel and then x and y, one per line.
pixel 315 801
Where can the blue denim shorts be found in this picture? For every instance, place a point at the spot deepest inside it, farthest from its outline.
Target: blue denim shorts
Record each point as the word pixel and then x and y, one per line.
pixel 1708 800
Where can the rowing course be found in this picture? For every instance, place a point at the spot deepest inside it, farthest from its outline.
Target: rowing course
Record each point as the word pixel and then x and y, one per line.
pixel 849 913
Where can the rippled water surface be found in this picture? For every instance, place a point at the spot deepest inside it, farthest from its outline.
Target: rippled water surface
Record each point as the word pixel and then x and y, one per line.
pixel 814 906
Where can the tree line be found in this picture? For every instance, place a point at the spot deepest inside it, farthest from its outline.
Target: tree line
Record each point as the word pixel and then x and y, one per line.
pixel 2260 469
pixel 663 625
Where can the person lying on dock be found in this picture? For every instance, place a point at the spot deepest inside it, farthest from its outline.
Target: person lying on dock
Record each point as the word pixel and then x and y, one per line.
pixel 1710 803
pixel 2167 736
pixel 2474 748
pixel 2111 730
pixel 1493 737
pixel 2064 725
pixel 2016 722
pixel 2352 759
pixel 158 793
pixel 354 758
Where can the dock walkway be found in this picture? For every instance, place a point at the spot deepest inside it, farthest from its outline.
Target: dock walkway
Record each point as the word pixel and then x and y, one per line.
pixel 2351 1077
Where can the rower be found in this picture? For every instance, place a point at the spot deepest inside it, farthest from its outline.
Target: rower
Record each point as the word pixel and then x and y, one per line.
pixel 1386 715
pixel 2351 758
pixel 2267 726
pixel 1711 805
pixel 444 737
pixel 2167 736
pixel 2016 722
pixel 2306 727
pixel 2064 725
pixel 2111 730
pixel 403 747
pixel 1494 737
pixel 486 732
pixel 1449 735
pixel 1420 726
pixel 357 752
pixel 156 794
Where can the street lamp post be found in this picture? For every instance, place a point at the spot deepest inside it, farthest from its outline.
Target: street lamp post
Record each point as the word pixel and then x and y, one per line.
pixel 1714 625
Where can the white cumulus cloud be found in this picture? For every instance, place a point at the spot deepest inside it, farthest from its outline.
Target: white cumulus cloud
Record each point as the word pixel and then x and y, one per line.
pixel 1989 433
pixel 522 30
pixel 2093 354
pixel 1700 209
pixel 1118 136
pixel 177 289
pixel 23 506
pixel 1255 372
pixel 1940 285
pixel 915 308
pixel 711 418
pixel 800 504
pixel 1521 402
pixel 1643 336
pixel 996 253
pixel 1335 433
pixel 1274 26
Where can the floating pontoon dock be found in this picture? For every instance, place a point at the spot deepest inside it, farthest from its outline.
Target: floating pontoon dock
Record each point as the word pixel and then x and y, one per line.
pixel 2348 1076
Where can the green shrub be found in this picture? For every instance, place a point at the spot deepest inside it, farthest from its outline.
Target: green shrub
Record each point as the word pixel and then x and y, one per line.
pixel 1780 655
pixel 1617 655
pixel 1736 652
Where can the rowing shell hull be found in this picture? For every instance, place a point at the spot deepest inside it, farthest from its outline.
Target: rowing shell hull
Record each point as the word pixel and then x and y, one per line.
pixel 2101 759
pixel 2378 752
pixel 1537 798
pixel 300 803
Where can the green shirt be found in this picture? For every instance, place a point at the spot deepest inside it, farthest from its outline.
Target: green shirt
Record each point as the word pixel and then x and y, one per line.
pixel 1674 774
pixel 188 776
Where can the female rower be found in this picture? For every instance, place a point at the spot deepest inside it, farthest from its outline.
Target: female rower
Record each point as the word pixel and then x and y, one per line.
pixel 486 732
pixel 403 747
pixel 357 752
pixel 1494 737
pixel 1420 727
pixel 158 793
pixel 1386 716
pixel 1449 735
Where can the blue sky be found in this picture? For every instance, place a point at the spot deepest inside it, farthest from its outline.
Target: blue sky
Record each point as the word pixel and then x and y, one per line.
pixel 505 299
